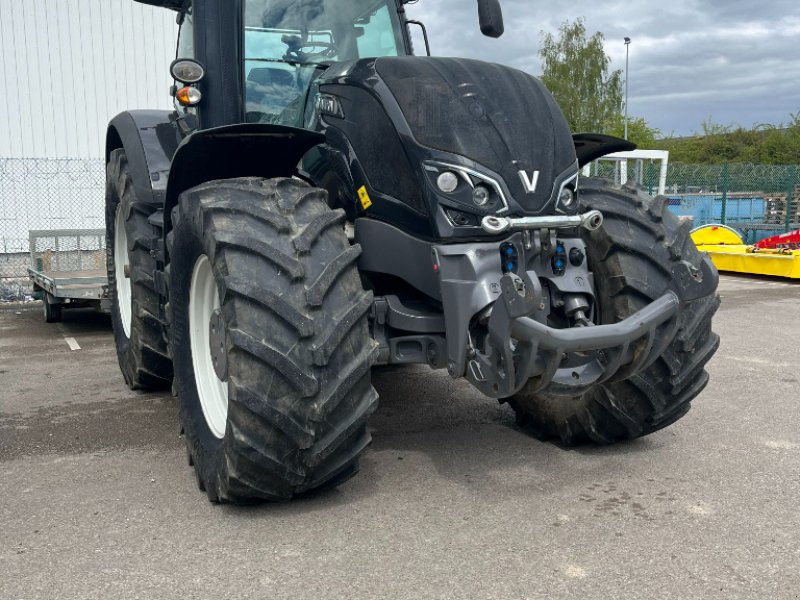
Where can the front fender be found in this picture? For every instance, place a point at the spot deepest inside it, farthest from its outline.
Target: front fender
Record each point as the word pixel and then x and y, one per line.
pixel 243 150
pixel 591 146
pixel 149 138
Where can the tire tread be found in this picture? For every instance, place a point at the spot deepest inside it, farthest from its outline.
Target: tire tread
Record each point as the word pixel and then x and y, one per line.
pixel 299 347
pixel 632 257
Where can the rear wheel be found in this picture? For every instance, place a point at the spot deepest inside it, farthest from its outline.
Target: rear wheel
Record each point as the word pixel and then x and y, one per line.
pixel 269 336
pixel 138 331
pixel 52 311
pixel 633 256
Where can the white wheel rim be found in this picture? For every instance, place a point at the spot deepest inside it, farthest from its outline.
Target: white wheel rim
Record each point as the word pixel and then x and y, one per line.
pixel 203 301
pixel 121 261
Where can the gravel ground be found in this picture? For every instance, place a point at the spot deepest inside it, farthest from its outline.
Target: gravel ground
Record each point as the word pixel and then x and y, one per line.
pixel 453 501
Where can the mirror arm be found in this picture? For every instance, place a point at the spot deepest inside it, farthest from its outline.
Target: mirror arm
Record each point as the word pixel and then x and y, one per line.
pixel 424 33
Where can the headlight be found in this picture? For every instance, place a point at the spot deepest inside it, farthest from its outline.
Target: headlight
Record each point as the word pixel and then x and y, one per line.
pixel 187 71
pixel 481 195
pixel 477 192
pixel 567 197
pixel 447 182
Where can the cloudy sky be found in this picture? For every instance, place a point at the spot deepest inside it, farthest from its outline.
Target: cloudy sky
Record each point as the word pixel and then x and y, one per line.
pixel 735 61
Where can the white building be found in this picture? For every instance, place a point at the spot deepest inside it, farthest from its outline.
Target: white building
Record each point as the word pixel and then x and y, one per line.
pixel 66 68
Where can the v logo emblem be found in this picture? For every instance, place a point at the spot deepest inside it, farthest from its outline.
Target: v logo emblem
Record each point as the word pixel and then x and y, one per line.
pixel 531 183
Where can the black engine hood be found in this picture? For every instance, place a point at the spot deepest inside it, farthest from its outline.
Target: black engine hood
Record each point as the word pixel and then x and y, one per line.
pixel 497 116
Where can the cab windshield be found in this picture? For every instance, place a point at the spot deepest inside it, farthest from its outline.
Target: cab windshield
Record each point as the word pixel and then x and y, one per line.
pixel 285 41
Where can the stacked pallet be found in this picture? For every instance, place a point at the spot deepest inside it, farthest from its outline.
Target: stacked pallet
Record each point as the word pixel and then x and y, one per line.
pixel 775 209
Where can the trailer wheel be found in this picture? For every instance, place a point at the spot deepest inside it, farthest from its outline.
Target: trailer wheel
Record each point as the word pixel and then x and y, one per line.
pixel 138 331
pixel 268 330
pixel 52 310
pixel 632 257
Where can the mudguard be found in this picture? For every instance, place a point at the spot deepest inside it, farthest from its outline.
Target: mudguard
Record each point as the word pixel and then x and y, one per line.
pixel 243 150
pixel 591 146
pixel 150 138
pixel 170 4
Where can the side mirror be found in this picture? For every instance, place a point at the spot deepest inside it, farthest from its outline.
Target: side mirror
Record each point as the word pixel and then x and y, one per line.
pixel 491 18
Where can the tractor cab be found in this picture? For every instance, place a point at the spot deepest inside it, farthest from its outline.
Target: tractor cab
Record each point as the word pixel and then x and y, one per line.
pixel 286 43
pixel 257 58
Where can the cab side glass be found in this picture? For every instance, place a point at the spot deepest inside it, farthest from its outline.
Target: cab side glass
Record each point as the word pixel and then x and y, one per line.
pixel 185 50
pixel 287 42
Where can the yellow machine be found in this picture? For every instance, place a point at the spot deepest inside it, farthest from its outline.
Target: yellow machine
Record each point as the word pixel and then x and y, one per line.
pixel 728 251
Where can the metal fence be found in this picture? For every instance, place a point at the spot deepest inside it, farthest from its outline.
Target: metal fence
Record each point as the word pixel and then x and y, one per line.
pixel 758 200
pixel 52 195
pixel 45 195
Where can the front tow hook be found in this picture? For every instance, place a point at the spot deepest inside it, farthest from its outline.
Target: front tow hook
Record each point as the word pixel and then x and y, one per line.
pixel 591 221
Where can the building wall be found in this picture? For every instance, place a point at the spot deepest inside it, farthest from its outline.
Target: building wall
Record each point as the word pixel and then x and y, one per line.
pixel 68 66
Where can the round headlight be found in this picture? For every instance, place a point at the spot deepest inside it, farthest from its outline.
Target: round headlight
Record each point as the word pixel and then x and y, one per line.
pixel 481 195
pixel 447 182
pixel 567 197
pixel 187 71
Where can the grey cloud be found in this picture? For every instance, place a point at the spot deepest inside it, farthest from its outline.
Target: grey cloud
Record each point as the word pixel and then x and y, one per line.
pixel 735 62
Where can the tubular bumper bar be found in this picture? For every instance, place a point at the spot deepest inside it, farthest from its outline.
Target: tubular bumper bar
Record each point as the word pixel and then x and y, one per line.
pixel 585 339
pixel 591 220
pixel 521 351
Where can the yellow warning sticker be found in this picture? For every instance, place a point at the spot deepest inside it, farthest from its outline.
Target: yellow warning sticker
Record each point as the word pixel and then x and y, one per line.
pixel 363 195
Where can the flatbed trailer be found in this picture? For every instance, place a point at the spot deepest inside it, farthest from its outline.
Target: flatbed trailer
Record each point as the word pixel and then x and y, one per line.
pixel 67 270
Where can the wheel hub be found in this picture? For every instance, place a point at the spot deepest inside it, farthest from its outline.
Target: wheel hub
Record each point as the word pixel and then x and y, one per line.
pixel 122 272
pixel 218 345
pixel 208 344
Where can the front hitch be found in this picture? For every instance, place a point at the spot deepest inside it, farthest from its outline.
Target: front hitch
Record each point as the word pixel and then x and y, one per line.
pixel 520 350
pixel 591 220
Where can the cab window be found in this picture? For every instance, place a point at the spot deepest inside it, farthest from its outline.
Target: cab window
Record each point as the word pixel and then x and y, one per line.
pixel 285 42
pixel 185 50
pixel 186 36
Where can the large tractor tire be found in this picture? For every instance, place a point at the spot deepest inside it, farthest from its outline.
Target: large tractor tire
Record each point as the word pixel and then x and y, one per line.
pixel 138 331
pixel 269 335
pixel 632 257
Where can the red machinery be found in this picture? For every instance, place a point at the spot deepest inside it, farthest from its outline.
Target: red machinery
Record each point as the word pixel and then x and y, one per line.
pixel 789 241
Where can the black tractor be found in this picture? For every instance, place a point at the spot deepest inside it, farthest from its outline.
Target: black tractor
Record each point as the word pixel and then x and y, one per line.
pixel 322 202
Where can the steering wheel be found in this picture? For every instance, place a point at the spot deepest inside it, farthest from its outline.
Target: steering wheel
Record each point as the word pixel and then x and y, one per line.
pixel 296 49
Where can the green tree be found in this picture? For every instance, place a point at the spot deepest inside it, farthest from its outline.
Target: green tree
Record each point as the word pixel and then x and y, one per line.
pixel 781 145
pixel 576 71
pixel 639 132
pixel 766 144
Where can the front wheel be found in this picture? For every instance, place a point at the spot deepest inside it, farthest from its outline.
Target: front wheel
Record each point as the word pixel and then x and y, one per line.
pixel 268 331
pixel 138 330
pixel 634 257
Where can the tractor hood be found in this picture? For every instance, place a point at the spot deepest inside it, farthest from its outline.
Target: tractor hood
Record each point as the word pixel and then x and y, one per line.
pixel 398 124
pixel 496 116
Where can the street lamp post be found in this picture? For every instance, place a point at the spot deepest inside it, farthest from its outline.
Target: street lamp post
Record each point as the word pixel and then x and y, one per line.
pixel 627 63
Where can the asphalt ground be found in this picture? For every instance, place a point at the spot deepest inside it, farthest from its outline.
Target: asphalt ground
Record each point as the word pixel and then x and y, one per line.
pixel 453 500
